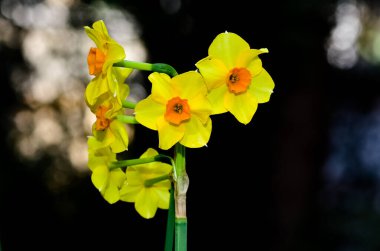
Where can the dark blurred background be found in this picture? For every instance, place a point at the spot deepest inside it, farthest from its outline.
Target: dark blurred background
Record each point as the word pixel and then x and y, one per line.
pixel 303 175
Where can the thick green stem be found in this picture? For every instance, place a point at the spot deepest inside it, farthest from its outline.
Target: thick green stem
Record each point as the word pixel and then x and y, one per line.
pixel 181 186
pixel 170 223
pixel 180 234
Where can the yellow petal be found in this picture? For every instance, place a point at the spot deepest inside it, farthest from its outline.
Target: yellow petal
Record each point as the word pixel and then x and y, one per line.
pixel 189 84
pixel 213 71
pixel 150 152
pixel 162 89
pixel 146 203
pixel 246 57
pixel 200 107
pixel 148 111
pixel 128 192
pixel 123 91
pixel 134 177
pixel 113 84
pixel 250 60
pixel 94 36
pixel 103 138
pixel 262 86
pixel 95 89
pixel 163 195
pixel 216 97
pixel 96 161
pixel 111 194
pixel 115 180
pixel 117 177
pixel 98 34
pixel 133 186
pixel 196 134
pixel 114 54
pixel 121 75
pixel 119 131
pixel 100 27
pixel 227 47
pixel 113 104
pixel 154 169
pixel 168 134
pixel 99 177
pixel 242 106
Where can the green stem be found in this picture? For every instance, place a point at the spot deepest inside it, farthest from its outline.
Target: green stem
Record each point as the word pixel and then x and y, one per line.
pixel 134 65
pixel 127 119
pixel 151 182
pixel 170 223
pixel 181 186
pixel 128 104
pixel 157 67
pixel 180 234
pixel 164 68
pixel 131 162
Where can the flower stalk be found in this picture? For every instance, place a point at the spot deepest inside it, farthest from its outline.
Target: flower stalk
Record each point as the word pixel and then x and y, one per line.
pixel 170 223
pixel 131 162
pixel 128 104
pixel 181 185
pixel 157 67
pixel 127 119
pixel 151 182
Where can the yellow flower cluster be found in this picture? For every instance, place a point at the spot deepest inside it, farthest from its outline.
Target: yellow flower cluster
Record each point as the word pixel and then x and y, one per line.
pixel 230 79
pixel 104 95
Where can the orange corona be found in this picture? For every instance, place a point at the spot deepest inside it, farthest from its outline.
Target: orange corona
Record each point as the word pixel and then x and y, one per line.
pixel 101 122
pixel 177 110
pixel 95 60
pixel 238 80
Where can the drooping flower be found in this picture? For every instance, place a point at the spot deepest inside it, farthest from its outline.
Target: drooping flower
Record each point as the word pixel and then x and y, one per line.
pixel 107 130
pixel 147 198
pixel 178 109
pixel 100 63
pixel 107 181
pixel 235 78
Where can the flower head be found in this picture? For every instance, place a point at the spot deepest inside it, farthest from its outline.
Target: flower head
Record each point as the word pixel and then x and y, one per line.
pixel 178 109
pixel 235 78
pixel 100 61
pixel 147 198
pixel 107 130
pixel 107 181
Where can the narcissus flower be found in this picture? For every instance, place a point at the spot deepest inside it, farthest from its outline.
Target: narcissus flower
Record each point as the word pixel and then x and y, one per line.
pixel 100 63
pixel 107 181
pixel 235 78
pixel 147 197
pixel 178 109
pixel 107 130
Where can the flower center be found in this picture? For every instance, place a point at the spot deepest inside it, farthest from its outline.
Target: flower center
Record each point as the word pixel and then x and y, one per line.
pixel 95 60
pixel 238 80
pixel 177 110
pixel 101 122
